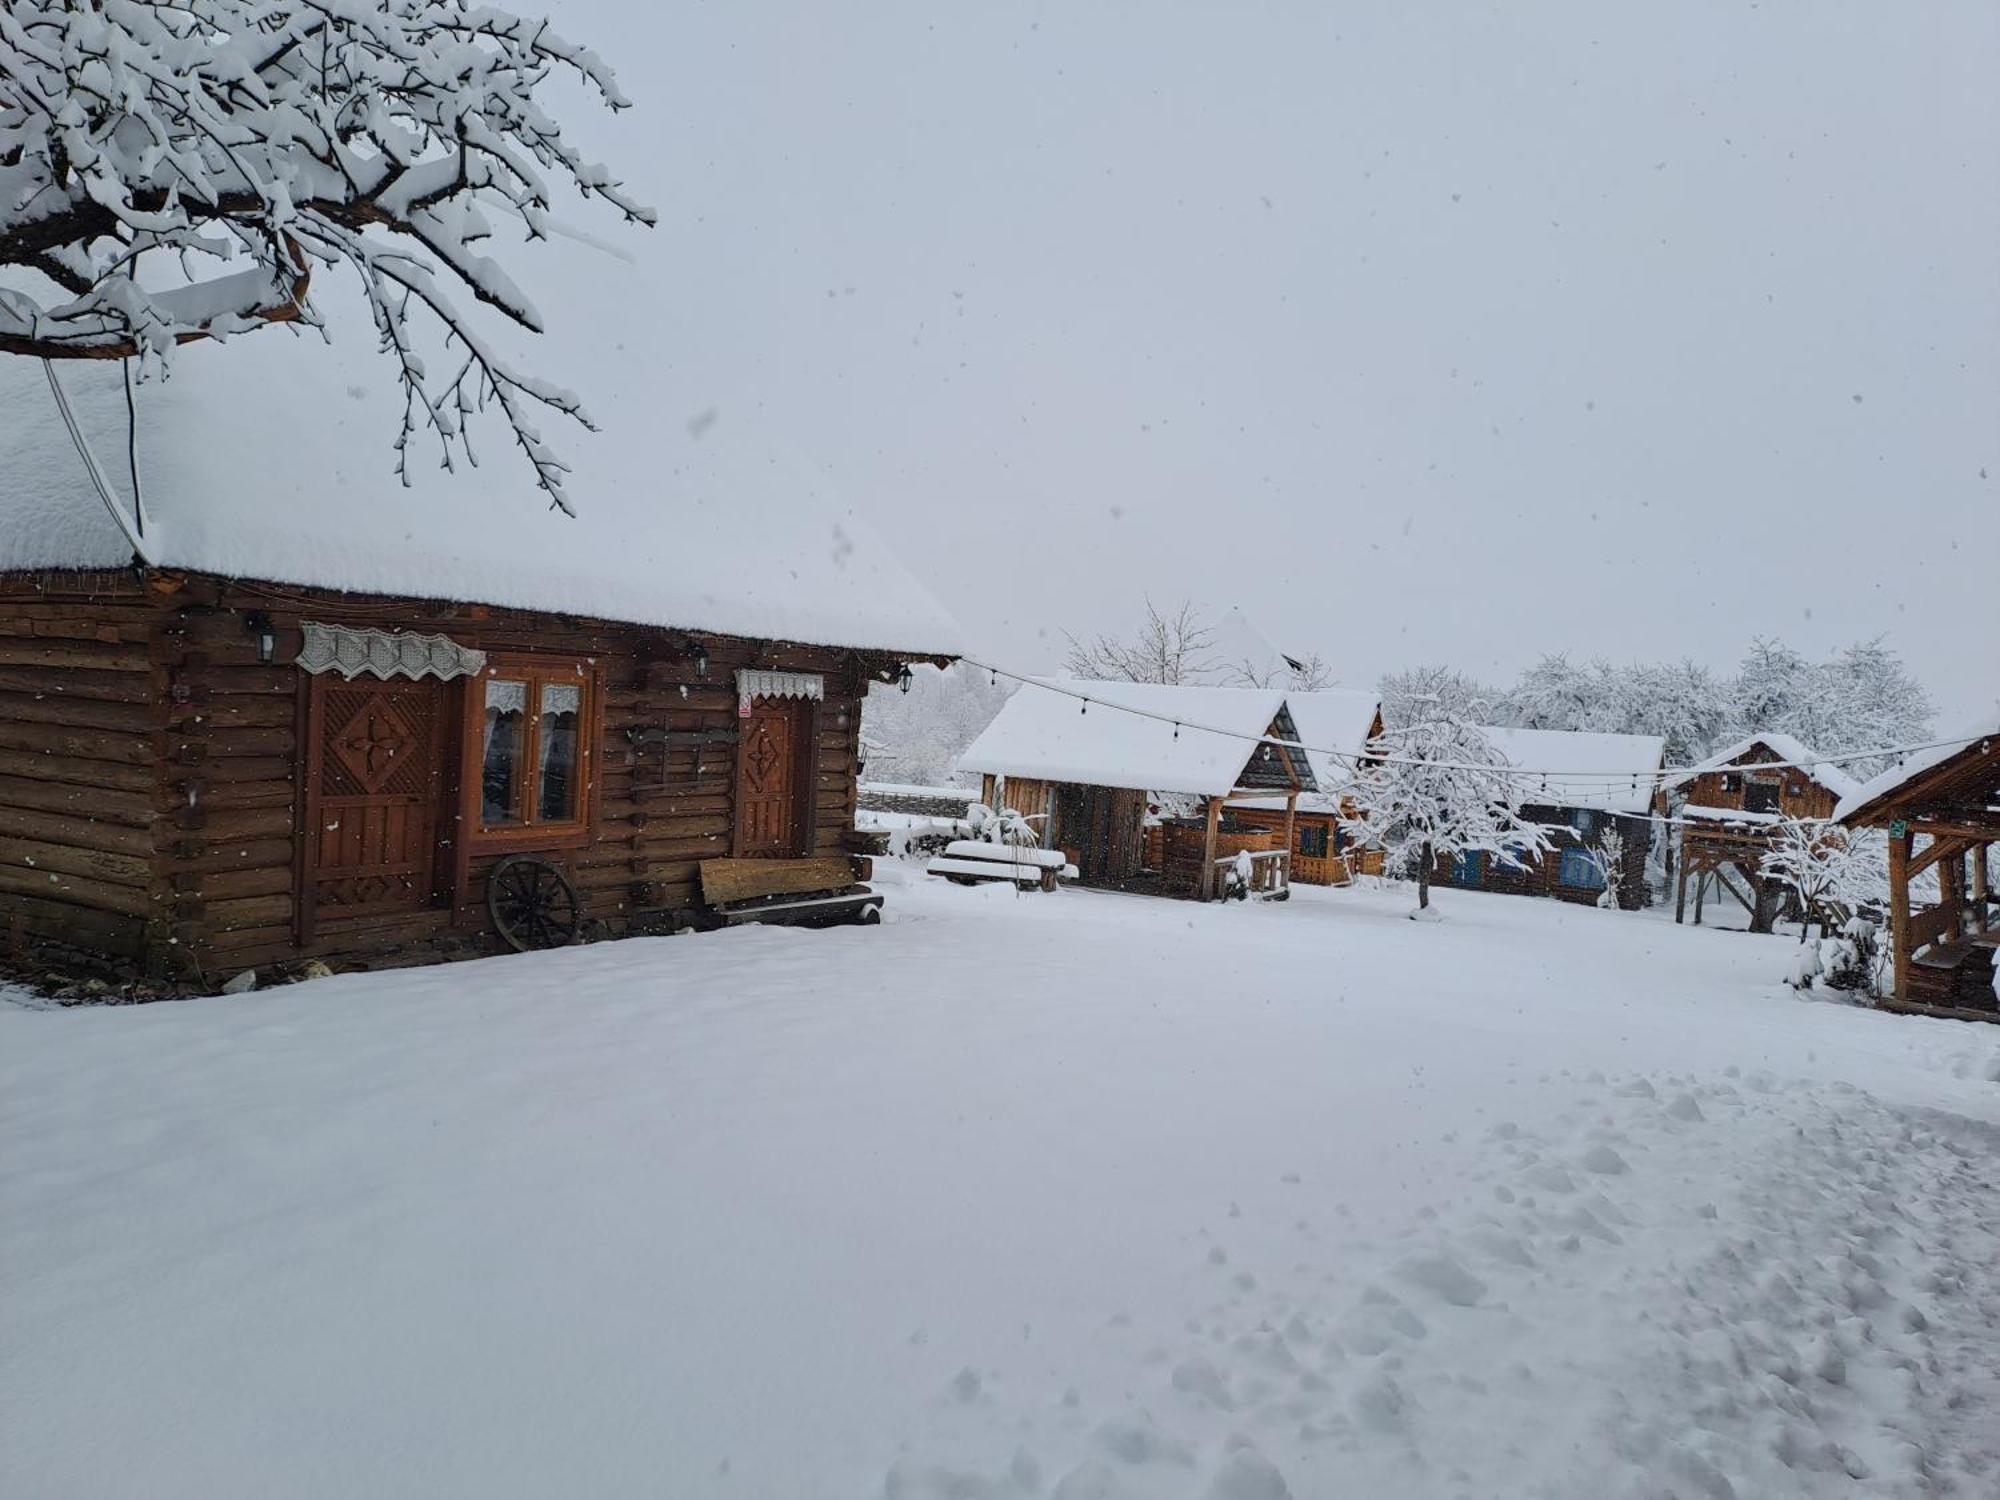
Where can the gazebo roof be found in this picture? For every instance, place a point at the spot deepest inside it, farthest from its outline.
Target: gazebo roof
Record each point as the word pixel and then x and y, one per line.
pixel 1959 779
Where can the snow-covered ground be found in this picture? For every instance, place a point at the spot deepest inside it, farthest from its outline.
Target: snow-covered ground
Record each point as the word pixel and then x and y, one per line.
pixel 1016 1196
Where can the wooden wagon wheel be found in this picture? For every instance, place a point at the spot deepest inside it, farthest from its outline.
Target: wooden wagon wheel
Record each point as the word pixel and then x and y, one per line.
pixel 532 903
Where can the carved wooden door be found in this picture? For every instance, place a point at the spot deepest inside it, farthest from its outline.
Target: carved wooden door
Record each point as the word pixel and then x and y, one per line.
pixel 771 774
pixel 376 778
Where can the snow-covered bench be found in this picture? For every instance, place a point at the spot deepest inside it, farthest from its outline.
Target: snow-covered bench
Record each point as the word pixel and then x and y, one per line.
pixel 969 861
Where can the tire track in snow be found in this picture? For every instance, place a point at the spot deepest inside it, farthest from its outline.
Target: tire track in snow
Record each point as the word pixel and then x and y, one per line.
pixel 1691 1289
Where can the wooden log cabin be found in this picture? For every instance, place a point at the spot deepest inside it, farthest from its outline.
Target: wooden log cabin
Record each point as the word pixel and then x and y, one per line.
pixel 1729 806
pixel 1335 725
pixel 1088 763
pixel 1941 812
pixel 1580 788
pixel 306 714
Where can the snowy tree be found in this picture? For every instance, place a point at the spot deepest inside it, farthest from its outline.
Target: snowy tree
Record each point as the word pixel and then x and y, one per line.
pixel 918 736
pixel 1879 703
pixel 179 171
pixel 1556 694
pixel 1682 703
pixel 1832 872
pixel 1771 685
pixel 1440 788
pixel 1425 692
pixel 1170 648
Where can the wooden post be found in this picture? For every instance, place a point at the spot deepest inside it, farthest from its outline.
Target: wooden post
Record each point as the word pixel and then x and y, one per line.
pixel 1291 816
pixel 1700 891
pixel 1899 910
pixel 1681 893
pixel 1207 887
pixel 1982 889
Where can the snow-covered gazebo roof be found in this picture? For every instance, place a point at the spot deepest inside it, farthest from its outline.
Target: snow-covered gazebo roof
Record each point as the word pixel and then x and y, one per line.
pixel 1977 745
pixel 1573 768
pixel 1044 733
pixel 1773 746
pixel 270 457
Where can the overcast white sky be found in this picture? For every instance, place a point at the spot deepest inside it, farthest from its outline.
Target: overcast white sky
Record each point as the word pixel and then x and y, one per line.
pixel 1419 331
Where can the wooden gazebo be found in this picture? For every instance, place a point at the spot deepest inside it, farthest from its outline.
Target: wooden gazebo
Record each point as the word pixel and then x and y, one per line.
pixel 1949 799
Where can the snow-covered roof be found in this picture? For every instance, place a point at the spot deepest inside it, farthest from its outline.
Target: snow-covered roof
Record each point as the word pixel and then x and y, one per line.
pixel 1910 767
pixel 1772 746
pixel 1048 735
pixel 270 457
pixel 1334 724
pixel 1570 768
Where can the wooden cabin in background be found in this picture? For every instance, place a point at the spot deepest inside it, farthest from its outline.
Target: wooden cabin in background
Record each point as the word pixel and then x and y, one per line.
pixel 1580 788
pixel 1087 763
pixel 1944 954
pixel 1335 725
pixel 308 714
pixel 1730 805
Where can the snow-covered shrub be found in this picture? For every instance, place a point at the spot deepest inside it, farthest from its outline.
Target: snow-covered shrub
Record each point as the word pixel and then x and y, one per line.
pixel 1005 826
pixel 1853 960
pixel 1608 858
pixel 1850 961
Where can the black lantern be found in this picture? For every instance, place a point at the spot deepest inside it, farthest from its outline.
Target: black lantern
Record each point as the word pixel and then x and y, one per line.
pixel 904 678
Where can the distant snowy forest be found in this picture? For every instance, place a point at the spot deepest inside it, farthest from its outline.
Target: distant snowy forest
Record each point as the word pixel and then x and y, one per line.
pixel 1859 698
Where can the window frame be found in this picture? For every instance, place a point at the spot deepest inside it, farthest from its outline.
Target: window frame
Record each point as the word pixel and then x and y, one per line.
pixel 532 832
pixel 1582 856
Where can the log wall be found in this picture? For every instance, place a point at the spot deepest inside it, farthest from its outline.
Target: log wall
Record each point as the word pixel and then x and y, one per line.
pixel 150 771
pixel 82 800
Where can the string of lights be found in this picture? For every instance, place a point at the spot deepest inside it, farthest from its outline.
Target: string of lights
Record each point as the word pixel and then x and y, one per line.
pixel 1548 779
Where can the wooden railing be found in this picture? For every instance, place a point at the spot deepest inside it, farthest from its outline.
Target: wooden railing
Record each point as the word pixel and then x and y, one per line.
pixel 1270 870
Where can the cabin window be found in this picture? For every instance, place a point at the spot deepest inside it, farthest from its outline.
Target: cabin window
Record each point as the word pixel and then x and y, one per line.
pixel 1761 797
pixel 1584 821
pixel 1580 870
pixel 1313 840
pixel 530 744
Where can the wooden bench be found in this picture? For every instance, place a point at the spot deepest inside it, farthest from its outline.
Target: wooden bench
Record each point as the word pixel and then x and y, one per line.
pixel 787 892
pixel 971 861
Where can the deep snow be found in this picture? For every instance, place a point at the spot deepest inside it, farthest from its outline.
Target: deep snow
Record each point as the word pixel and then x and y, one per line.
pixel 1073 1195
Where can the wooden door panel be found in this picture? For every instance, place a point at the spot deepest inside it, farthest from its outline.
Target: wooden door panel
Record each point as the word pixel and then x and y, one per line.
pixel 770 778
pixel 376 769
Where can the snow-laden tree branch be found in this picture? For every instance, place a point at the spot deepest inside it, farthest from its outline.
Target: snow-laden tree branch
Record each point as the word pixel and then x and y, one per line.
pixel 234 145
